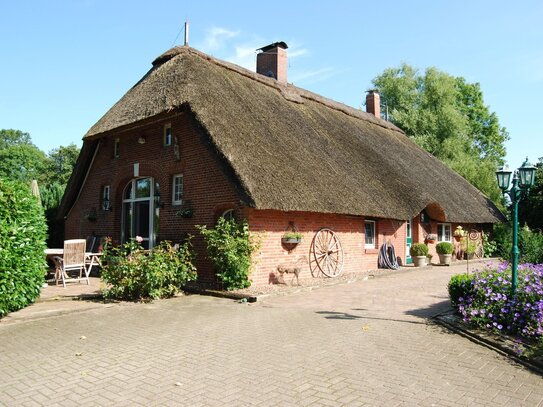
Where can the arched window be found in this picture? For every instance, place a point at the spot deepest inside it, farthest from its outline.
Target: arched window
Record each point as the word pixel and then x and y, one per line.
pixel 140 211
pixel 228 214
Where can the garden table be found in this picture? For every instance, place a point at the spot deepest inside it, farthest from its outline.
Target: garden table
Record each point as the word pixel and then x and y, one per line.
pixel 91 260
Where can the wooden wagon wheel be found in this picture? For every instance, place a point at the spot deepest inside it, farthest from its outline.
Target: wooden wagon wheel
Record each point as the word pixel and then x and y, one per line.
pixel 326 254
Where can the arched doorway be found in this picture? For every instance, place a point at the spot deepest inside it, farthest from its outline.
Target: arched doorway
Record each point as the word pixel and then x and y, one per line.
pixel 140 211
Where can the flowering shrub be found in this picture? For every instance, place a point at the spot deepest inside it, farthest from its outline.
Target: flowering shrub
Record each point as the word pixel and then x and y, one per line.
pixel 486 300
pixel 132 273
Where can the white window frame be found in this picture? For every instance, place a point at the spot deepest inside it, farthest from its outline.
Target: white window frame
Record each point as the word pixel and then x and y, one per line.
pixel 374 236
pixel 116 148
pixel 167 135
pixel 441 232
pixel 174 180
pixel 106 193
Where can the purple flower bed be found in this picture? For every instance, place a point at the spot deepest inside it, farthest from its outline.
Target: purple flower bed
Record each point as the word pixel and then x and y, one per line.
pixel 485 301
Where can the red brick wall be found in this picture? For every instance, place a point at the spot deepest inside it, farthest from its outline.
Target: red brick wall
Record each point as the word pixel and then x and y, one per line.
pixel 205 184
pixel 268 226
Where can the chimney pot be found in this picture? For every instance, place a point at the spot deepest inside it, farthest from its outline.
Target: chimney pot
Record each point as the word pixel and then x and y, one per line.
pixel 272 61
pixel 373 103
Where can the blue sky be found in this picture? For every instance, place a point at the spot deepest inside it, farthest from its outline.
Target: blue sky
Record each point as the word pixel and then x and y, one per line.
pixel 65 63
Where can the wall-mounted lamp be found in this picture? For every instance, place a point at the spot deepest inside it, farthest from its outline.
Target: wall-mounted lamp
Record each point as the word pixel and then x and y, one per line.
pixel 106 204
pixel 142 140
pixel 158 201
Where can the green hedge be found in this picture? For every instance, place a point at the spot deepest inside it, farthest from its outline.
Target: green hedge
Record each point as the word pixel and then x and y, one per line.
pixel 22 242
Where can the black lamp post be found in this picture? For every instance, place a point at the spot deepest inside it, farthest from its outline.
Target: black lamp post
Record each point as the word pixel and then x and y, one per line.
pixel 523 179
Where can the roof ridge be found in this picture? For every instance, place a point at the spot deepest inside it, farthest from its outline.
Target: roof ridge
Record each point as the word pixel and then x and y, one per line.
pixel 286 90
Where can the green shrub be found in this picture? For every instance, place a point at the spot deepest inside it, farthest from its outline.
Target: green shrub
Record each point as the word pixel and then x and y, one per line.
pixel 444 248
pixel 503 237
pixel 530 243
pixel 131 273
pixel 229 247
pixel 460 286
pixel 490 247
pixel 418 249
pixel 530 246
pixel 22 242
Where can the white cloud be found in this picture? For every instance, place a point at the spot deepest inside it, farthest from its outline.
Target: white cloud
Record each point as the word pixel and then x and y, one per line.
pixel 225 44
pixel 296 52
pixel 216 37
pixel 245 56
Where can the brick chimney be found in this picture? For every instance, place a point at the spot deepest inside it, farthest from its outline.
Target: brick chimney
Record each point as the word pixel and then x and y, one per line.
pixel 373 103
pixel 272 61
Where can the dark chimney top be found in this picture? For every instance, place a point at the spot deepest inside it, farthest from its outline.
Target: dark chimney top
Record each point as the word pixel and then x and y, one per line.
pixel 280 44
pixel 272 61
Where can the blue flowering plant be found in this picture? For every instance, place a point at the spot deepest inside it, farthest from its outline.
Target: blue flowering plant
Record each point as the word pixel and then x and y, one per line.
pixel 484 299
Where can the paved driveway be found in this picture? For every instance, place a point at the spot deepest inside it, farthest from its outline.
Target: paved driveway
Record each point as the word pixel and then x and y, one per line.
pixel 364 343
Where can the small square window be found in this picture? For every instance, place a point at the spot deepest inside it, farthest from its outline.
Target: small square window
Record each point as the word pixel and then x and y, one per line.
pixel 369 232
pixel 116 148
pixel 168 134
pixel 177 190
pixel 444 232
pixel 106 198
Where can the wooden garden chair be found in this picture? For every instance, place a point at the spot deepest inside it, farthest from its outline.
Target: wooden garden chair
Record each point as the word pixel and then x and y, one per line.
pixel 73 260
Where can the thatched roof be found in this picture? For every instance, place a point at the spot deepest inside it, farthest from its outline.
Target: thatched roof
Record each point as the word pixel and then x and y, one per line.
pixel 293 150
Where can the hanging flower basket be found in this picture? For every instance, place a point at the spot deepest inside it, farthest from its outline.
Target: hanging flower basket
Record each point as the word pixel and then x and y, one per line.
pixel 431 238
pixel 291 238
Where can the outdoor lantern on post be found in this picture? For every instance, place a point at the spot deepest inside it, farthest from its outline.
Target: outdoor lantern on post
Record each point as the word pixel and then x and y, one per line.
pixel 523 180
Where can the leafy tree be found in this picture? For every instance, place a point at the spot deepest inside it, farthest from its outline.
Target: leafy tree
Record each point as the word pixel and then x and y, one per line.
pixel 10 137
pixel 20 160
pixel 531 209
pixel 61 163
pixel 447 117
pixel 51 195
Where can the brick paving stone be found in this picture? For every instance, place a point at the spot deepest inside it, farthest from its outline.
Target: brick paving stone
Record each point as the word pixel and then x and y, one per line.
pixel 366 343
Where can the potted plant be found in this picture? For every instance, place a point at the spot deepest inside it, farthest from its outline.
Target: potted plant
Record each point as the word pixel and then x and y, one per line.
pixel 458 233
pixel 291 238
pixel 470 250
pixel 418 252
pixel 431 238
pixel 429 258
pixel 444 251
